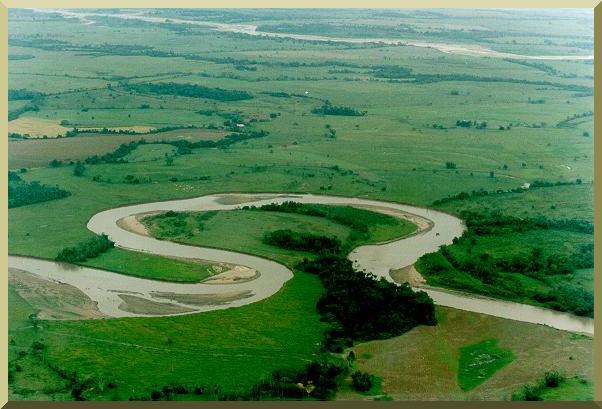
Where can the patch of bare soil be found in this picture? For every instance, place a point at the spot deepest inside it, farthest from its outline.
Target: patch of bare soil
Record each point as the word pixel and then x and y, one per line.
pixel 139 305
pixel 204 299
pixel 236 274
pixel 409 275
pixel 133 223
pixel 55 301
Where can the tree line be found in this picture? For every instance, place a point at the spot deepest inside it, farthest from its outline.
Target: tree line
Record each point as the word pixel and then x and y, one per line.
pixel 328 109
pixel 479 193
pixel 190 90
pixel 291 240
pixel 183 146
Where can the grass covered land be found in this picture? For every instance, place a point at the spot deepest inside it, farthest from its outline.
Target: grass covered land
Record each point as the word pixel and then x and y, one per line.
pixel 152 266
pixel 431 359
pixel 410 146
pixel 515 250
pixel 245 230
pixel 478 362
pixel 142 355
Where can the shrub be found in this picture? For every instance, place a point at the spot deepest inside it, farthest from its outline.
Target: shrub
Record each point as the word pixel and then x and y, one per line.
pixel 361 381
pixel 83 251
pixel 552 379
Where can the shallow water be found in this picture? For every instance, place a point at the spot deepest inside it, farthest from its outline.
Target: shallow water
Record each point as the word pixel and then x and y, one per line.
pixel 104 287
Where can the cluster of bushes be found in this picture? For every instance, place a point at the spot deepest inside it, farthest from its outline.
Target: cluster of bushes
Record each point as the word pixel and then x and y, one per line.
pixel 21 193
pixel 551 379
pixel 328 109
pixel 317 380
pixel 362 381
pixel 174 224
pixel 361 307
pixel 463 123
pixel 390 71
pixel 88 249
pixel 288 239
pixel 190 90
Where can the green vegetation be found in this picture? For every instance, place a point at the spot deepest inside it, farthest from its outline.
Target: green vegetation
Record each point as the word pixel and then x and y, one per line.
pixel 202 350
pixel 112 80
pixel 519 247
pixel 290 240
pixel 554 386
pixel 191 91
pixel 328 109
pixel 22 193
pixel 86 250
pixel 361 307
pixel 151 266
pixel 367 226
pixel 362 381
pixel 478 362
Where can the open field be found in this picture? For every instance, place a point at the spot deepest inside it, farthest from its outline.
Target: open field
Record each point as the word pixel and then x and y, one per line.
pixel 37 127
pixel 435 124
pixel 430 358
pixel 244 231
pixel 38 153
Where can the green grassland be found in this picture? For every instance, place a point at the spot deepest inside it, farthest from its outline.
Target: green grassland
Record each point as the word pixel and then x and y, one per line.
pixel 571 290
pixel 392 153
pixel 151 266
pixel 243 230
pixel 478 362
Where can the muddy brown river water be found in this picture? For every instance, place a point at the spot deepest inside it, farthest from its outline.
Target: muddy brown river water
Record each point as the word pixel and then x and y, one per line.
pixel 112 291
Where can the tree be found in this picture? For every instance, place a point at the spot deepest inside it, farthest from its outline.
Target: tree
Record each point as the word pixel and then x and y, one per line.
pixel 79 169
pixel 168 160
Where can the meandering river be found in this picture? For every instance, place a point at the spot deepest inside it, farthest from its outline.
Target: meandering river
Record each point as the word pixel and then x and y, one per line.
pixel 109 289
pixel 250 29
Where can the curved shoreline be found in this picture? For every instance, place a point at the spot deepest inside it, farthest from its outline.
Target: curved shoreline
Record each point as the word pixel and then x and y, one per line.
pixel 105 287
pixel 250 29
